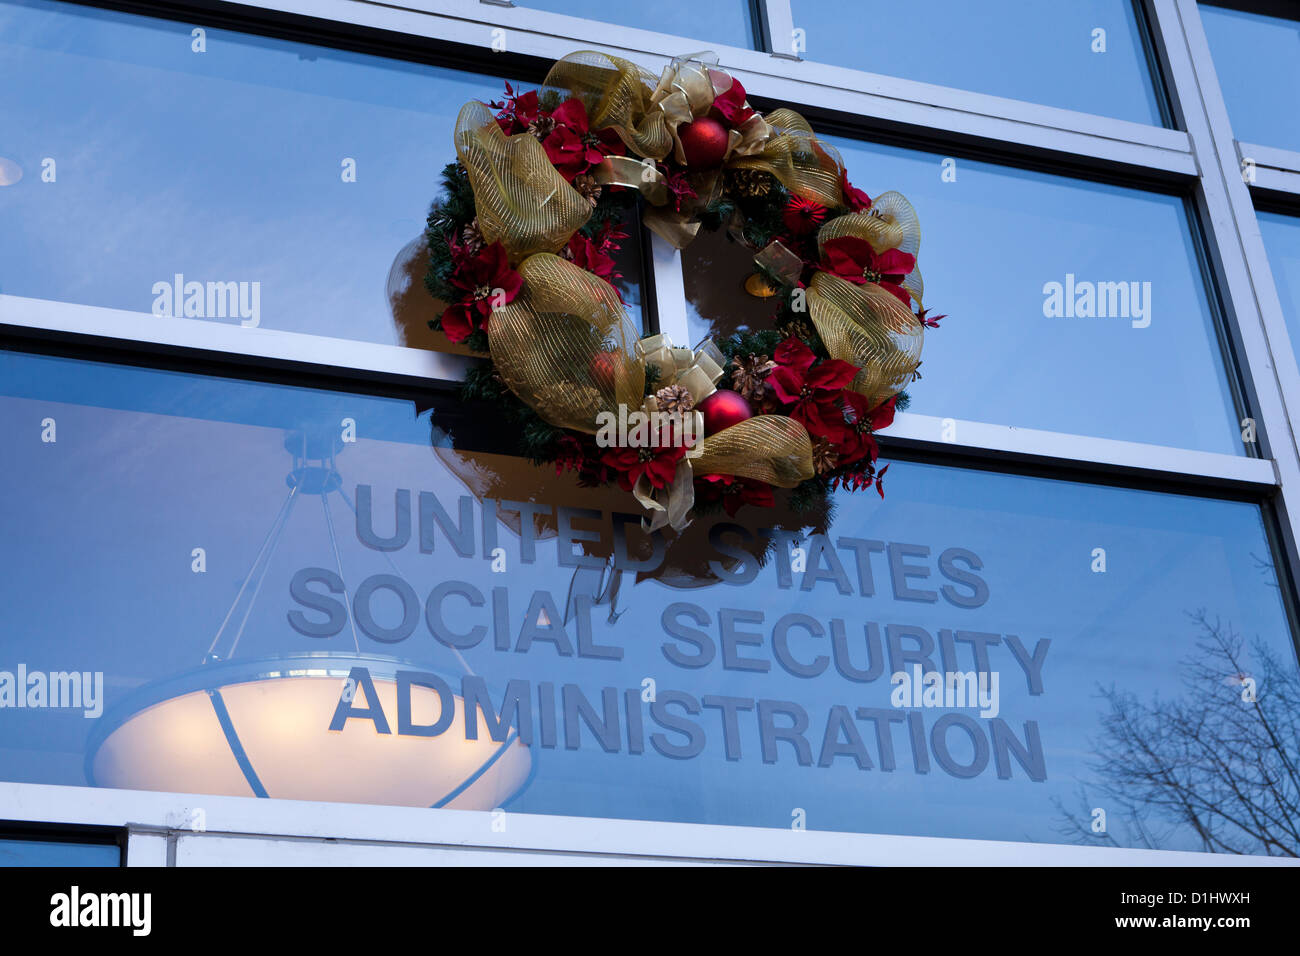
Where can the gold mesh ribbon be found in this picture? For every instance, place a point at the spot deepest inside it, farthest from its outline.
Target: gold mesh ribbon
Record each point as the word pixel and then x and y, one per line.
pixel 522 200
pixel 617 94
pixel 868 327
pixel 547 345
pixel 800 161
pixel 550 346
pixel 637 174
pixel 894 209
pixel 865 324
pixel 770 448
pixel 892 223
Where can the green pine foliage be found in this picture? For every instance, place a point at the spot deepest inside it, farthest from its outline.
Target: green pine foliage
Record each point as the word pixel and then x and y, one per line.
pixel 499 408
pixel 450 214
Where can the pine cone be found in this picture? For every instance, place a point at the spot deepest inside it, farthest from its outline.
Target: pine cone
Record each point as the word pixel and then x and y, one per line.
pixel 472 238
pixel 824 456
pixel 799 328
pixel 541 127
pixel 749 374
pixel 750 182
pixel 674 398
pixel 588 187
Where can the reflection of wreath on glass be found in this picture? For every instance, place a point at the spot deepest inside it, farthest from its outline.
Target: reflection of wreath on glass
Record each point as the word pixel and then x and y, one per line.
pixel 521 246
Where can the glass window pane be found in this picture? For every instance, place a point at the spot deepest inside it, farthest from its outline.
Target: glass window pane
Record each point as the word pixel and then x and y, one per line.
pixel 721 22
pixel 53 853
pixel 1122 346
pixel 1282 242
pixel 1048 53
pixel 171 167
pixel 771 670
pixel 1257 60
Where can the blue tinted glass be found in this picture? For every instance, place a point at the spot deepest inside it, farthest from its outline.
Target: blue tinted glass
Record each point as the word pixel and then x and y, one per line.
pixel 722 22
pixel 1145 367
pixel 49 853
pixel 1282 242
pixel 1048 53
pixel 1257 60
pixel 770 678
pixel 225 166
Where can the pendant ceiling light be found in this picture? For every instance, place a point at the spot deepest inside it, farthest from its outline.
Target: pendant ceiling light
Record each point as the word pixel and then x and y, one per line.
pixel 261 726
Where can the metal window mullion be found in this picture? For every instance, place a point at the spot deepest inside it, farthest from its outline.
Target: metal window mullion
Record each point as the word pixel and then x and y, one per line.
pixel 779 29
pixel 1274 170
pixel 1256 325
pixel 1265 346
pixel 669 290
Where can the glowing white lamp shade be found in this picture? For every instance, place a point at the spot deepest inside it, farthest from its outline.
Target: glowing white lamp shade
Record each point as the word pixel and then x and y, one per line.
pixel 261 728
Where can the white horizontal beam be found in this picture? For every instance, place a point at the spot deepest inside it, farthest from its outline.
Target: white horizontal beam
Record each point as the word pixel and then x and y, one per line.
pixel 392 362
pixel 1107 452
pixel 423 367
pixel 1275 170
pixel 150 812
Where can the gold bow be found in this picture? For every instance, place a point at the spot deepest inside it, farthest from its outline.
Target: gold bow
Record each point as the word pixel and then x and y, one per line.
pixel 770 448
pixel 686 91
pixel 801 162
pixel 698 372
pixel 616 94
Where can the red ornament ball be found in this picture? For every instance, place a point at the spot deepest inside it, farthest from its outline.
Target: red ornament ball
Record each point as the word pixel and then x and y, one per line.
pixel 604 369
pixel 723 409
pixel 704 141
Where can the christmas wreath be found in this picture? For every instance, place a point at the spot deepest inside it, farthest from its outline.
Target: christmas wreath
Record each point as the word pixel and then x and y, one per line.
pixel 521 249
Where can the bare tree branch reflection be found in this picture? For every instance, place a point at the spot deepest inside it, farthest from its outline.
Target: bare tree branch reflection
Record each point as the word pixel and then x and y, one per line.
pixel 1218 761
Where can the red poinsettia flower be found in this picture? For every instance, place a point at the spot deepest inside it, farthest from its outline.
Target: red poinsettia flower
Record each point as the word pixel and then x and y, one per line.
pixel 812 388
pixel 734 492
pixel 487 282
pixel 658 464
pixel 854 260
pixel 581 251
pixel 854 198
pixel 882 416
pixel 731 105
pixel 518 112
pixel 802 216
pixel 572 147
pixel 853 435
